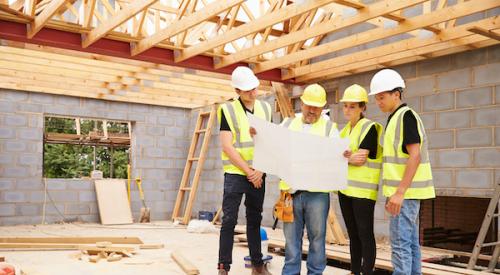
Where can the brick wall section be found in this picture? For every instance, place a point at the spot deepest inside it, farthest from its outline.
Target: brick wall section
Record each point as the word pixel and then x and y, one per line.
pixel 457 98
pixel 159 149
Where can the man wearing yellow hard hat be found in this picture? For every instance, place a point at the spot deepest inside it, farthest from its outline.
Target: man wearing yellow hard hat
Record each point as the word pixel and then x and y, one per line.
pixel 357 201
pixel 310 207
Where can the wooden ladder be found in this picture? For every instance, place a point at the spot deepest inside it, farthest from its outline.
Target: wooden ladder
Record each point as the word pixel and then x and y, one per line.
pixel 490 214
pixel 204 118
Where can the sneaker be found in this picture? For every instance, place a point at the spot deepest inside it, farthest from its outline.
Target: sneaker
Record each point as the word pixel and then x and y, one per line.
pixel 222 270
pixel 260 270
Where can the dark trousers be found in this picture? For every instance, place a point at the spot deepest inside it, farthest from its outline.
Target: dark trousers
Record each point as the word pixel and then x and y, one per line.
pixel 234 188
pixel 358 216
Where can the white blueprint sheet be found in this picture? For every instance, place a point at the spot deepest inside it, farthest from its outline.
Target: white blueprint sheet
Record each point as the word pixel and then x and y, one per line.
pixel 304 161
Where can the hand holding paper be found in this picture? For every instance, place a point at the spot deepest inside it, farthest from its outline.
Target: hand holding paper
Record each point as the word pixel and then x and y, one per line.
pixel 304 161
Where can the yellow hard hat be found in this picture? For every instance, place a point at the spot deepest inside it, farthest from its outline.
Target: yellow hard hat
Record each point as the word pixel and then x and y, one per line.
pixel 355 93
pixel 314 95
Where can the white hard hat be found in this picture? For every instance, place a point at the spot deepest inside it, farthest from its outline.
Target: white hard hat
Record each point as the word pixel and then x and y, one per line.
pixel 244 79
pixel 386 80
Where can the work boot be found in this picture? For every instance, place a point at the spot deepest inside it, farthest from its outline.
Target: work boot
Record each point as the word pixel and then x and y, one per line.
pixel 260 270
pixel 222 270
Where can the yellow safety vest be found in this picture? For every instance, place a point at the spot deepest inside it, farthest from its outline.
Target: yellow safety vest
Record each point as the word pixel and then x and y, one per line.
pixel 238 123
pixel 322 127
pixel 395 160
pixel 362 181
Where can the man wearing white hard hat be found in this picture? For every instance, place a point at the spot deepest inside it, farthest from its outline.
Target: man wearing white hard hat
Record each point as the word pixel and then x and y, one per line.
pixel 406 170
pixel 310 207
pixel 239 176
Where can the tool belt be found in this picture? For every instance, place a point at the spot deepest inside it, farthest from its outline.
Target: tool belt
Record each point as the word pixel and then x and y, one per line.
pixel 283 209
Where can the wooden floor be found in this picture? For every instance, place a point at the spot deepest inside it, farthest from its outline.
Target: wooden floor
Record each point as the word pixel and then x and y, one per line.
pixel 383 261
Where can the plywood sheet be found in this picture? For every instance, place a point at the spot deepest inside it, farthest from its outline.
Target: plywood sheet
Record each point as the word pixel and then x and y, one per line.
pixel 113 203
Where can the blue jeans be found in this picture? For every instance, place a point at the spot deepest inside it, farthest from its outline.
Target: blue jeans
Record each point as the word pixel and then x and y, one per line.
pixel 405 244
pixel 309 209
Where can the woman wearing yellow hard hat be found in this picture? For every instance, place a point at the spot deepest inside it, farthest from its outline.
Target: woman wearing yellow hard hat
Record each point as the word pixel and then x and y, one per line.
pixel 357 201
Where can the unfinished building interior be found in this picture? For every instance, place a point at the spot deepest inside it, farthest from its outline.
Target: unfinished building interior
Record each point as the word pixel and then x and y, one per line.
pixel 104 90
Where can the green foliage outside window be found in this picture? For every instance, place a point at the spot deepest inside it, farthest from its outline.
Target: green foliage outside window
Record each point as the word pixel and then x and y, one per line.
pixel 75 160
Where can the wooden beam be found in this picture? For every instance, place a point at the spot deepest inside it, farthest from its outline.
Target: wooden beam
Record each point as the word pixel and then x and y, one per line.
pixel 408 44
pixel 339 63
pixel 6 8
pixel 375 34
pixel 73 240
pixel 138 24
pixel 115 21
pixel 183 24
pixel 250 28
pixel 41 19
pixel 30 7
pixel 333 25
pixel 188 8
pixel 184 264
pixel 416 54
pixel 484 32
pixel 284 102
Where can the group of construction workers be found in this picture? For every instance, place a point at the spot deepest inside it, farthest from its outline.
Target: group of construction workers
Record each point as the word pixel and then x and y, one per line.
pixel 397 156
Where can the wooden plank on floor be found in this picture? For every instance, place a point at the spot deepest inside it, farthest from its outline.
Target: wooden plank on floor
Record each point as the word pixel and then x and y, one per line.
pixel 69 246
pixel 114 207
pixel 72 240
pixel 186 265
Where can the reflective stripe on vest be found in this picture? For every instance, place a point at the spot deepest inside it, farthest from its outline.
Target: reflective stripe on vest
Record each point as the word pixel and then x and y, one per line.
pixel 363 181
pixel 322 127
pixel 242 140
pixel 395 160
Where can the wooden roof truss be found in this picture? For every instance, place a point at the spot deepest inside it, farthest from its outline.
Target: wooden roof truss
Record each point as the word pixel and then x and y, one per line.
pixel 270 34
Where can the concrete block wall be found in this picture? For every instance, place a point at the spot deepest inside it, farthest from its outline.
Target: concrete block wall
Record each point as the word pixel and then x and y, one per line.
pixel 158 146
pixel 457 97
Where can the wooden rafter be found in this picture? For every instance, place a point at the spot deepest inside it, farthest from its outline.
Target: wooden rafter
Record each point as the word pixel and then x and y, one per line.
pixel 250 28
pixel 395 16
pixel 307 23
pixel 115 21
pixel 404 49
pixel 409 24
pixel 335 24
pixel 188 9
pixel 273 36
pixel 30 7
pixel 40 20
pixel 183 24
pixel 484 32
pixel 10 10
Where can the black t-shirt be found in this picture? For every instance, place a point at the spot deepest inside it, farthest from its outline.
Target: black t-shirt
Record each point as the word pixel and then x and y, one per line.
pixel 224 126
pixel 410 128
pixel 370 142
